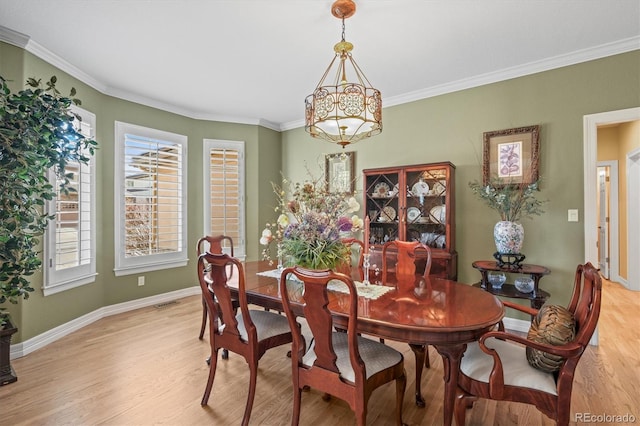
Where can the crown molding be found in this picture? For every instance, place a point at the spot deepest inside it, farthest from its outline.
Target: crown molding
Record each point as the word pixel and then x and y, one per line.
pixel 609 49
pixel 579 56
pixel 13 37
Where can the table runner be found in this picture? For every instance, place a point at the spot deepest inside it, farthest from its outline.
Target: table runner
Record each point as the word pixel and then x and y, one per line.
pixel 370 291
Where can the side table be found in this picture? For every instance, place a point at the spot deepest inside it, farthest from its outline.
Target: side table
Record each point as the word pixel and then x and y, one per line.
pixel 537 297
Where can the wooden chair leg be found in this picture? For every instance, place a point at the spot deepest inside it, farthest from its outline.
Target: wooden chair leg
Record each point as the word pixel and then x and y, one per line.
pixel 401 386
pixel 204 319
pixel 253 375
pixel 297 400
pixel 212 374
pixel 462 403
pixel 419 351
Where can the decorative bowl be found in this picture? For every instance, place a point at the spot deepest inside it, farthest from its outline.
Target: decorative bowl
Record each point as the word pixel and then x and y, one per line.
pixel 524 284
pixel 496 279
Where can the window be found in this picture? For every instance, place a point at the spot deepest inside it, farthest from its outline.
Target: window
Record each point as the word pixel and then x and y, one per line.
pixel 70 259
pixel 224 191
pixel 150 207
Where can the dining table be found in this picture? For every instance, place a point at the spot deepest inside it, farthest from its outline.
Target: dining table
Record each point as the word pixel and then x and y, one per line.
pixel 434 311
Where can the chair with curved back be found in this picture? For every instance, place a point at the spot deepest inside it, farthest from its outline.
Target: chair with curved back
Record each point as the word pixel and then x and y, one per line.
pixel 407 254
pixel 249 333
pixel 345 365
pixel 496 367
pixel 216 244
pixel 357 249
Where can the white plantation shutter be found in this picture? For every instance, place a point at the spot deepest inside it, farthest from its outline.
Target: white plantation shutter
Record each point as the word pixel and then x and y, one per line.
pixel 224 191
pixel 70 238
pixel 151 231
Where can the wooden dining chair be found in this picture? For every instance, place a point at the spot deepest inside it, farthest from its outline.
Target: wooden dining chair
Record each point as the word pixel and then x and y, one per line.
pixel 357 251
pixel 249 333
pixel 345 365
pixel 500 366
pixel 407 255
pixel 213 244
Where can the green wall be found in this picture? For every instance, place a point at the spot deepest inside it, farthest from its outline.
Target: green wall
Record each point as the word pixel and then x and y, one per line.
pixel 262 149
pixel 450 128
pixel 442 128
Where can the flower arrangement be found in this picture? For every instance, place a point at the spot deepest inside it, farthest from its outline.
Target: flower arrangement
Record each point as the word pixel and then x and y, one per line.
pixel 310 224
pixel 511 201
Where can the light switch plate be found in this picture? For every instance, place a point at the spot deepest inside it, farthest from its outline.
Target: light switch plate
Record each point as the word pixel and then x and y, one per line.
pixel 573 215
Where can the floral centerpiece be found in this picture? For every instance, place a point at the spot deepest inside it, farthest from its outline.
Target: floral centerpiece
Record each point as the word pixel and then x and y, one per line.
pixel 513 201
pixel 311 224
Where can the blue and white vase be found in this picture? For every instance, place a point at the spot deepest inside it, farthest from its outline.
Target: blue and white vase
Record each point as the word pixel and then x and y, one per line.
pixel 509 237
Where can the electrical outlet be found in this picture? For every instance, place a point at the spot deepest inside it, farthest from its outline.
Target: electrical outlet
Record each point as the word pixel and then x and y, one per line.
pixel 140 281
pixel 572 215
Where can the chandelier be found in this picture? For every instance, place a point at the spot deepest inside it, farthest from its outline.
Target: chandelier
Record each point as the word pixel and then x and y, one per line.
pixel 342 111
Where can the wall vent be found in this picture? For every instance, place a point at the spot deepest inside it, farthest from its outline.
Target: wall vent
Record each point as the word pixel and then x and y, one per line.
pixel 165 304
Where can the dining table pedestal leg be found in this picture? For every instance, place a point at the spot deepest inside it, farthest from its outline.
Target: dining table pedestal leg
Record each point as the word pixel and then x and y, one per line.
pixel 451 357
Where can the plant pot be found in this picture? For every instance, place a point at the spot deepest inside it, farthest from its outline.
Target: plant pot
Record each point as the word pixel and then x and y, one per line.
pixel 7 375
pixel 508 237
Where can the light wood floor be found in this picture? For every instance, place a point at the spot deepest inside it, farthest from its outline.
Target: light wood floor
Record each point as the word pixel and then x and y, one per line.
pixel 146 367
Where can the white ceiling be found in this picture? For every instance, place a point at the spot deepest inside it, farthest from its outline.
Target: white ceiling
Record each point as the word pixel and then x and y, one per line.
pixel 254 61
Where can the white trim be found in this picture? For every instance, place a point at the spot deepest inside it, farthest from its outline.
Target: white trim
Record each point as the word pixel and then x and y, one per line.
pixel 633 225
pixel 25 348
pixel 56 281
pixel 240 248
pixel 133 265
pixel 590 129
pixel 579 56
pixel 516 324
pixel 614 218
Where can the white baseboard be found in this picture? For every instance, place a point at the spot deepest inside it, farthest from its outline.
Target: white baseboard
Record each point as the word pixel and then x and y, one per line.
pixel 516 324
pixel 25 348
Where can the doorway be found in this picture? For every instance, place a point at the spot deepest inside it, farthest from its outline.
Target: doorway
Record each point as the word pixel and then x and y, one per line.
pixel 591 124
pixel 633 225
pixel 607 208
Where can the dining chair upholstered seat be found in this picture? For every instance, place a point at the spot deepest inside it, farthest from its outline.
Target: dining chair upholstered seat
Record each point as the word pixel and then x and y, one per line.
pixel 339 363
pixel 376 356
pixel 407 254
pixel 268 324
pixel 496 366
pixel 517 371
pixel 248 333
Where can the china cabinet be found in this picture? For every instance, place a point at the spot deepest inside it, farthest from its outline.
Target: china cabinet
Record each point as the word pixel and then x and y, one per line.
pixel 414 203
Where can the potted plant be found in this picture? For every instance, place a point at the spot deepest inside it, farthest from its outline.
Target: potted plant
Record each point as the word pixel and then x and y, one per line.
pixel 36 135
pixel 513 201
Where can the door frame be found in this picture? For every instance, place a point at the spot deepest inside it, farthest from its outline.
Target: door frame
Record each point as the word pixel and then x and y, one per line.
pixel 633 226
pixel 614 248
pixel 590 129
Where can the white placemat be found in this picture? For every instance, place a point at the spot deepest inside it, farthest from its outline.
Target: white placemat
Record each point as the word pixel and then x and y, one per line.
pixel 371 291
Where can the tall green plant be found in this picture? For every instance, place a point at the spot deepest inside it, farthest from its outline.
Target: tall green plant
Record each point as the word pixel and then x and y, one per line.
pixel 36 135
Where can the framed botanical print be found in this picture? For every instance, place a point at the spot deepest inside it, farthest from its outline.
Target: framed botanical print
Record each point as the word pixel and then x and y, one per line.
pixel 511 156
pixel 338 172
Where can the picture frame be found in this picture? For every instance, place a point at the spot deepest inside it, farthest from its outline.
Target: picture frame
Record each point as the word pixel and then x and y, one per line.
pixel 511 156
pixel 338 172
